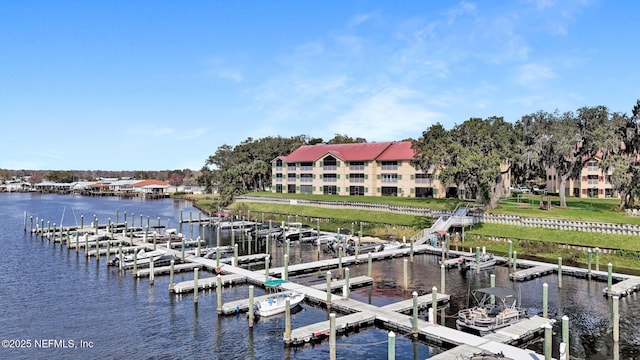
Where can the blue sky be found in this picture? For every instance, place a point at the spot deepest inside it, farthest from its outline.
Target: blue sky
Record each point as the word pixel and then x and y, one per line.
pixel 155 85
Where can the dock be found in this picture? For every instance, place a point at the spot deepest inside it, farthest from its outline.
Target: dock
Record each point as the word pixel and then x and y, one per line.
pixel 208 283
pixel 354 282
pixel 532 272
pixel 623 288
pixel 167 269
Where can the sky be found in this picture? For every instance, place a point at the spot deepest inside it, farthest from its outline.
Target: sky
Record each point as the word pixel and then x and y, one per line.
pixel 160 85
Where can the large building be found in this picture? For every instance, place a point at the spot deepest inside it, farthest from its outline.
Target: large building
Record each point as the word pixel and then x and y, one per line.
pixel 592 182
pixel 365 169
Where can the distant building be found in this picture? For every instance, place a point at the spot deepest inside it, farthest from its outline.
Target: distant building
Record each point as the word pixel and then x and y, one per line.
pixel 592 182
pixel 360 169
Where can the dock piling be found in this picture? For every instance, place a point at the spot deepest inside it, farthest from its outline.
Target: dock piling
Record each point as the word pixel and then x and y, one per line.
pixel 219 293
pixel 346 282
pixel 415 313
pixel 565 335
pixel 171 270
pixel 405 273
pixel 332 336
pixel 195 285
pixel 285 270
pixel 266 269
pixel 493 284
pixel 548 331
pixel 135 263
pixel 609 278
pixel 328 289
pixel 369 260
pixel 287 321
pixel 251 309
pixel 559 272
pixel 589 255
pixel 597 259
pixel 391 352
pixel 616 319
pixel 235 255
pixel 152 275
pixel 515 261
pixel 442 277
pixel 545 300
pixel 434 303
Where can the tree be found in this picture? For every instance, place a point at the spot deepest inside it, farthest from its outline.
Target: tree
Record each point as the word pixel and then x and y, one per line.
pixel 176 179
pixel 345 139
pixel 475 154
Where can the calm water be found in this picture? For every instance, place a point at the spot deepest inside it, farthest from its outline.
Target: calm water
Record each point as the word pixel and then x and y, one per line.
pixel 51 293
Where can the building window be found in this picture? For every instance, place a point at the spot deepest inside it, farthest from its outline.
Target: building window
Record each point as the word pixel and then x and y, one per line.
pixel 356 165
pixel 329 178
pixel 306 189
pixel 389 191
pixel 291 167
pixel 356 190
pixel 291 189
pixel 592 179
pixel 592 166
pixel 329 163
pixel 356 178
pixel 306 178
pixel 306 166
pixel 389 178
pixel 291 177
pixel 278 178
pixel 389 165
pixel 423 178
pixel 330 190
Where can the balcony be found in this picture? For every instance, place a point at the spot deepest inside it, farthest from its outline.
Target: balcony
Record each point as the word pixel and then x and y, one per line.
pixel 329 167
pixel 306 168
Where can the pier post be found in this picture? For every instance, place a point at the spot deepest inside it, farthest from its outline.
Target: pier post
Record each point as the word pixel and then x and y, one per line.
pixel 195 285
pixel 69 239
pixel 219 293
pixel 477 259
pixel 172 264
pixel 405 273
pixel 285 270
pixel 510 253
pixel 125 216
pixel 108 250
pixel 565 335
pixel 154 240
pixel 77 241
pixel 117 216
pixel 559 272
pixel 198 246
pixel 120 255
pixel 391 351
pixel 148 219
pixel 616 319
pixel 346 282
pixel 545 300
pixel 493 284
pixel 233 236
pixel 288 246
pixel 442 278
pixel 182 244
pixel 190 230
pixel 589 255
pixel 48 229
pixel 434 303
pixel 98 250
pixel 369 260
pixel 235 255
pixel 328 289
pixel 86 245
pixel 415 313
pixel 411 250
pixel 287 321
pixel 267 247
pixel 340 247
pixel 140 222
pixel 251 309
pixel 266 269
pixel 332 336
pixel 135 263
pixel 597 259
pixel 81 221
pixel 152 275
pixel 515 261
pixel 25 222
pixel 41 228
pixel 609 278
pixel 217 256
pixel 547 341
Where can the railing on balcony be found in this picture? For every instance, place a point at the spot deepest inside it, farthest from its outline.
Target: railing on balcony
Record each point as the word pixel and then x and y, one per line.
pixel 389 167
pixel 330 179
pixel 329 167
pixel 291 168
pixel 389 181
pixel 306 168
pixel 356 167
pixel 278 168
pixel 306 179
pixel 356 180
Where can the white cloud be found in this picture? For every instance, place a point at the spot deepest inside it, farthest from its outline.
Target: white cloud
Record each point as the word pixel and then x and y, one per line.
pixel 391 114
pixel 533 75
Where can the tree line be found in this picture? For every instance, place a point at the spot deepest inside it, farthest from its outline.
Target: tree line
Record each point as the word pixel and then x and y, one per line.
pixel 477 153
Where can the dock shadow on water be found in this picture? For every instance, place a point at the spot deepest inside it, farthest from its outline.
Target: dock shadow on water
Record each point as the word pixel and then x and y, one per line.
pixel 54 293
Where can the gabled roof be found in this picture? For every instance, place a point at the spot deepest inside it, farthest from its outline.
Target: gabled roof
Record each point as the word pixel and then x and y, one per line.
pixel 353 152
pixel 398 151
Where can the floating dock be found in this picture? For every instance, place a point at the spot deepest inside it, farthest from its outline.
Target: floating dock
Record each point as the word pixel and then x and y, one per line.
pixel 532 272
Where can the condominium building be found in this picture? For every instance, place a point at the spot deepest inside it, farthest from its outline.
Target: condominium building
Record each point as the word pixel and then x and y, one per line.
pixel 592 182
pixel 360 169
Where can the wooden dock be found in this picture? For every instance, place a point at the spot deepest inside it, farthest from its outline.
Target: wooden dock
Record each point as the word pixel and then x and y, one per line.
pixel 246 259
pixel 208 283
pixel 354 282
pixel 532 272
pixel 623 288
pixel 167 269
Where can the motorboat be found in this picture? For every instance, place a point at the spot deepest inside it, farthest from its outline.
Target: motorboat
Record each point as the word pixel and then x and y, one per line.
pixel 276 303
pixel 469 262
pixel 143 258
pixel 496 308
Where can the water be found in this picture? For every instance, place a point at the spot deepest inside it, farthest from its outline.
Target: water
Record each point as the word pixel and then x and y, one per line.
pixel 51 293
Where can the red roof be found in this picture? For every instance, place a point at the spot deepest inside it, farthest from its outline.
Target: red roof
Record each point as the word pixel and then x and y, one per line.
pixel 352 152
pixel 150 182
pixel 398 151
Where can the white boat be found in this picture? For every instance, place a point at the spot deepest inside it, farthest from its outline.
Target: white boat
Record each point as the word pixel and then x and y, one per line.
pixel 469 262
pixel 276 303
pixel 143 258
pixel 486 317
